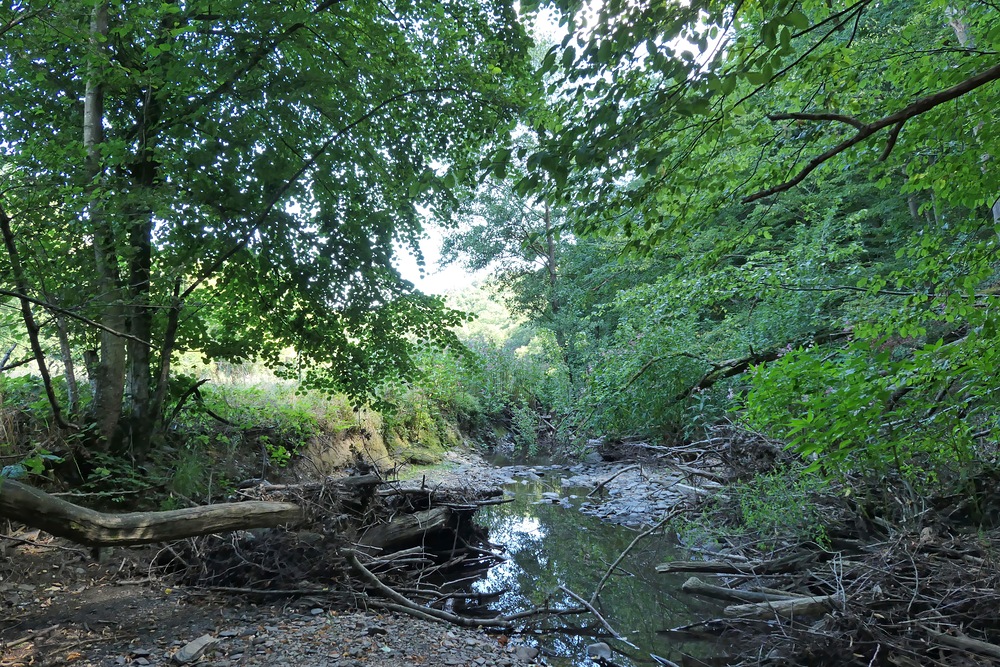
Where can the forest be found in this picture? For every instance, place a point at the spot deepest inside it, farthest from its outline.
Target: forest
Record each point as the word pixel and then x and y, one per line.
pixel 757 239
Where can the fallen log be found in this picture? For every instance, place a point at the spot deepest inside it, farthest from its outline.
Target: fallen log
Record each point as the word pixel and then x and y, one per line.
pixel 406 529
pixel 964 643
pixel 810 606
pixel 695 586
pixel 785 565
pixel 38 509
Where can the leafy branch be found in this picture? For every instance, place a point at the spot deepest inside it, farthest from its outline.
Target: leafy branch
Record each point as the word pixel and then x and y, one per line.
pixel 866 130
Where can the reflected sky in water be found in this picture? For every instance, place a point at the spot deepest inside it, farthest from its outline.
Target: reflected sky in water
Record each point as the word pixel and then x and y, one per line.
pixel 549 544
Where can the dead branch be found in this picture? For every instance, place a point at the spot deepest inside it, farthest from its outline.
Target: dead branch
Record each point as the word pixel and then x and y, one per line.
pixel 677 511
pixel 960 641
pixel 597 615
pixel 734 367
pixel 695 586
pixel 819 604
pixel 38 509
pixel 793 563
pixel 605 482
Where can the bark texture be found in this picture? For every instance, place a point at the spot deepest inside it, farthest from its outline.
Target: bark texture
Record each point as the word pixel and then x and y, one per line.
pixel 38 509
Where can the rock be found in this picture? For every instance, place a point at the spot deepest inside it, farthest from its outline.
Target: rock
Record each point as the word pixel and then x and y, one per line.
pixel 316 611
pixel 230 633
pixel 526 653
pixel 599 650
pixel 193 650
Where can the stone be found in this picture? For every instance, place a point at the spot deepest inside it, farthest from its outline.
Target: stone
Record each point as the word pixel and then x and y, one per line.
pixel 526 653
pixel 193 649
pixel 599 650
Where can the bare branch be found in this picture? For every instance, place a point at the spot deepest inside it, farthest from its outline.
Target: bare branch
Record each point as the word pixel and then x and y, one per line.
pixel 841 118
pixel 76 316
pixel 923 105
pixel 891 143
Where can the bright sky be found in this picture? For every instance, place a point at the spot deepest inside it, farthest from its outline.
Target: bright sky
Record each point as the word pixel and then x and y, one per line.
pixel 435 279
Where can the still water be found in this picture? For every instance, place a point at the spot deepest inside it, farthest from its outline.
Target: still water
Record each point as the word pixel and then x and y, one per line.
pixel 550 544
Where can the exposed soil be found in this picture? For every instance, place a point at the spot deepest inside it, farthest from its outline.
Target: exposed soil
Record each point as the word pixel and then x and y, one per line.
pixel 60 607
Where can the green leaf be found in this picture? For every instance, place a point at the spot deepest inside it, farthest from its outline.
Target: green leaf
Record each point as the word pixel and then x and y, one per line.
pixel 797 19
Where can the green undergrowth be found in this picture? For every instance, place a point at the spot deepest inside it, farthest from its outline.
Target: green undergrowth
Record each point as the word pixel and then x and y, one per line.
pixel 770 510
pixel 240 424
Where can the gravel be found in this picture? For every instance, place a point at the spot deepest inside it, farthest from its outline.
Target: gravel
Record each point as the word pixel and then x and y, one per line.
pixel 331 639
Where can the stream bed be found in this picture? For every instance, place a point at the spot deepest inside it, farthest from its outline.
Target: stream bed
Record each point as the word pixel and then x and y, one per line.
pixel 550 543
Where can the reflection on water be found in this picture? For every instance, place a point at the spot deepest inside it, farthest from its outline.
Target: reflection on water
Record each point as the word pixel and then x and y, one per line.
pixel 548 544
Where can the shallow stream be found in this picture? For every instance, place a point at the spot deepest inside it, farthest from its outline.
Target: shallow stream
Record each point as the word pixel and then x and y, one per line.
pixel 549 543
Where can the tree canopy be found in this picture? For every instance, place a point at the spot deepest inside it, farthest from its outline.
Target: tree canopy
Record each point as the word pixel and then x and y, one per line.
pixel 232 178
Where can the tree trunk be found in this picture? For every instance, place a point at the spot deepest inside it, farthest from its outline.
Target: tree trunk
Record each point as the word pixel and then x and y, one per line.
pixel 21 283
pixel 956 19
pixel 109 377
pixel 140 418
pixel 38 509
pixel 550 260
pixel 69 368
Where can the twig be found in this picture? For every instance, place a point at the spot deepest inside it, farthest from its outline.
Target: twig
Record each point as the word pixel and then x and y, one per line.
pixel 597 615
pixel 30 636
pixel 607 575
pixel 605 482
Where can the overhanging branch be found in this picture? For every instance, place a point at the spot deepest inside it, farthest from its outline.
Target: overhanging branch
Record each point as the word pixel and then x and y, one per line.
pixel 896 120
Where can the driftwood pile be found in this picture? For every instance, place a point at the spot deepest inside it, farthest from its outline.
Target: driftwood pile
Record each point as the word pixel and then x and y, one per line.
pixel 904 589
pixel 915 600
pixel 364 543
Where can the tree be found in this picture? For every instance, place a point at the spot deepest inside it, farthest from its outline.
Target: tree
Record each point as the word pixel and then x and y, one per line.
pixel 519 240
pixel 232 178
pixel 814 174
